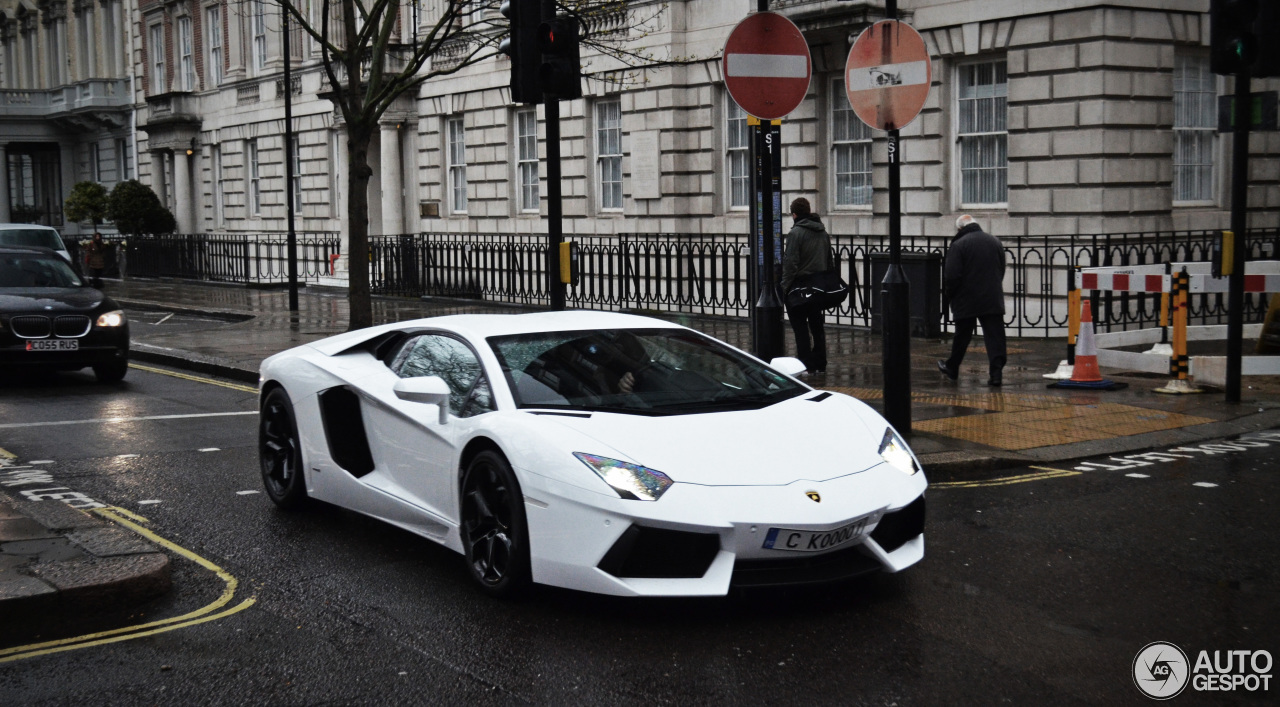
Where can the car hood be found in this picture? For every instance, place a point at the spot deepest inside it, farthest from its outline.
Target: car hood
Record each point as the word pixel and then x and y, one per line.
pixel 796 439
pixel 50 299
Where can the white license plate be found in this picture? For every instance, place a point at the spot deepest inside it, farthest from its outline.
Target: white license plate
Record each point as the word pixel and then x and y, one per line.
pixel 53 345
pixel 816 540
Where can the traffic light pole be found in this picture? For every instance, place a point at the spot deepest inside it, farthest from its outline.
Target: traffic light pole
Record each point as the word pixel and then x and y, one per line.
pixel 895 294
pixel 555 211
pixel 1239 206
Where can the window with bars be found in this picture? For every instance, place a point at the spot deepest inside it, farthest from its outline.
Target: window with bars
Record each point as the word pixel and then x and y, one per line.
pixel 527 158
pixel 156 47
pixel 981 112
pixel 609 153
pixel 1195 97
pixel 258 26
pixel 737 155
pixel 254 177
pixel 219 193
pixel 297 175
pixel 850 151
pixel 457 160
pixel 213 26
pixel 186 62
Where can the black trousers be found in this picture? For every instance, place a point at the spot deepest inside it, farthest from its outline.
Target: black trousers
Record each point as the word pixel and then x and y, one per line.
pixel 811 339
pixel 992 336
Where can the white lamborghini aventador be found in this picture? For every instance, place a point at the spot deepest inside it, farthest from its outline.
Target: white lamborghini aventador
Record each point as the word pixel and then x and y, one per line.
pixel 604 452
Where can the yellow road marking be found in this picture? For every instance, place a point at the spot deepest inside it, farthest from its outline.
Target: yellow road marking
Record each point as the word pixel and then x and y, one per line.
pixel 131 514
pixel 198 379
pixel 198 616
pixel 1045 473
pixel 6 454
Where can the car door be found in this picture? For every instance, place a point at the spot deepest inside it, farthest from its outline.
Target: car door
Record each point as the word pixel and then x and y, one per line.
pixel 416 453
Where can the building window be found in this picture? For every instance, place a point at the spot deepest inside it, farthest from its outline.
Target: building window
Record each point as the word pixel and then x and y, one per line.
pixel 258 25
pixel 156 47
pixel 609 153
pixel 255 181
pixel 737 155
pixel 337 154
pixel 57 57
pixel 219 193
pixel 984 140
pixel 851 151
pixel 457 161
pixel 110 55
pixel 297 175
pixel 527 158
pixel 95 163
pixel 1195 99
pixel 213 25
pixel 124 160
pixel 85 42
pixel 186 62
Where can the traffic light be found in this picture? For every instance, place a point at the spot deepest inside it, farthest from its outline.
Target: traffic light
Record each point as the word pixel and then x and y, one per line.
pixel 1242 37
pixel 561 71
pixel 521 44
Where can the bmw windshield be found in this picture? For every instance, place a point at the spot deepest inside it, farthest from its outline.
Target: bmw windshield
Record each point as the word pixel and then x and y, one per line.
pixel 26 270
pixel 636 371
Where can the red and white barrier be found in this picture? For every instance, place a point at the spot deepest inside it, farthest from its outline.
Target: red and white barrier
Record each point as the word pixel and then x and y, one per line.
pixel 1128 278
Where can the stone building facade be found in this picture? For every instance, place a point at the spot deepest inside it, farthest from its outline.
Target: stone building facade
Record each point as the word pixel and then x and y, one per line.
pixel 1047 118
pixel 65 107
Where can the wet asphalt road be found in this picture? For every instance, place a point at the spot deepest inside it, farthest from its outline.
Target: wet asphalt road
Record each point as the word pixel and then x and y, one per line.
pixel 1038 592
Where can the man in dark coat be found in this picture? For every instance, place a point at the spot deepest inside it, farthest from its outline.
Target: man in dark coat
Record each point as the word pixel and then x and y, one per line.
pixel 973 279
pixel 808 252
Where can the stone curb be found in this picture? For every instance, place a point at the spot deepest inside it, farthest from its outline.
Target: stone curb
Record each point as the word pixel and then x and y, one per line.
pixel 73 567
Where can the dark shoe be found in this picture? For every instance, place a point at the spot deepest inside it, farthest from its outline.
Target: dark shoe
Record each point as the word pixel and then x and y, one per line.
pixel 942 366
pixel 995 381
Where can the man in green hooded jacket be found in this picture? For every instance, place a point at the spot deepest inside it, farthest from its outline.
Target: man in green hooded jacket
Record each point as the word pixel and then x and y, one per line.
pixel 808 252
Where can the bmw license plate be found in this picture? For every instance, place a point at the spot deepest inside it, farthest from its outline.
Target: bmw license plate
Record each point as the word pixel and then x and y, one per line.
pixel 816 540
pixel 53 345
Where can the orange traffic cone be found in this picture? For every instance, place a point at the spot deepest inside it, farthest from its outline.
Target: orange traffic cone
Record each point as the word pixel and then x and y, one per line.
pixel 1085 374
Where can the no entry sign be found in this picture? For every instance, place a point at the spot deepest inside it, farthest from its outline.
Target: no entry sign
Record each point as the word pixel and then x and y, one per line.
pixel 766 65
pixel 887 75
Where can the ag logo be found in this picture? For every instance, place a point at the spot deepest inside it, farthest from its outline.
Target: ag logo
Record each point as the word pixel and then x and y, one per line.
pixel 813 496
pixel 1160 670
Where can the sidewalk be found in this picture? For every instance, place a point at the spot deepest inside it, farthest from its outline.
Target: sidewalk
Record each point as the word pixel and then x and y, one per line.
pixel 957 427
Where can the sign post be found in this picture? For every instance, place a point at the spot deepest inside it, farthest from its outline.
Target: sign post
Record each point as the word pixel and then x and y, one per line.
pixel 766 68
pixel 887 78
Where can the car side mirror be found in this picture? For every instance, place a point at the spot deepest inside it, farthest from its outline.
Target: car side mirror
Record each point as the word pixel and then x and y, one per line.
pixel 427 389
pixel 787 365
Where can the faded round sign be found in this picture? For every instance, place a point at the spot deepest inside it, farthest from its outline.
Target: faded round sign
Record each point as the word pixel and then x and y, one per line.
pixel 887 75
pixel 766 65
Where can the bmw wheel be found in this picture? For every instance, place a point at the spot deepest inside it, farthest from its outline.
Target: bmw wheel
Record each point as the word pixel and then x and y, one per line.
pixel 112 372
pixel 494 532
pixel 280 452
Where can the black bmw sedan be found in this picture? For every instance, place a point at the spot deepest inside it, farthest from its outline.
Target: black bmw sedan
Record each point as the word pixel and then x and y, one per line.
pixel 52 319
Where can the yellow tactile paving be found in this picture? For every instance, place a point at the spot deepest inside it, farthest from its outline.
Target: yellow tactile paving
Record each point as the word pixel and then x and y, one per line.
pixel 1022 421
pixel 1062 425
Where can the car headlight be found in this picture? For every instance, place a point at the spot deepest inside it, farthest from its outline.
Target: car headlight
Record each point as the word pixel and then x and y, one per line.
pixel 632 481
pixel 894 451
pixel 112 318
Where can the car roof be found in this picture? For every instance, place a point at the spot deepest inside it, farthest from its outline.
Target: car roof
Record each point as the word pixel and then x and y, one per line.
pixel 26 227
pixel 481 326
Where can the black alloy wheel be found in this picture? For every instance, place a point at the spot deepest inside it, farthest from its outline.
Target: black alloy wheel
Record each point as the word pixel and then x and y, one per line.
pixel 280 452
pixel 494 532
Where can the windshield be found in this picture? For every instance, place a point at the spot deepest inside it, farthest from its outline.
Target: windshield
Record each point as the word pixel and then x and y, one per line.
pixel 34 270
pixel 637 371
pixel 41 237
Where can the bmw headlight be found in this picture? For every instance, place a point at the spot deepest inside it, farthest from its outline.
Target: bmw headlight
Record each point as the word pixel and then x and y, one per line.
pixel 894 451
pixel 631 481
pixel 113 318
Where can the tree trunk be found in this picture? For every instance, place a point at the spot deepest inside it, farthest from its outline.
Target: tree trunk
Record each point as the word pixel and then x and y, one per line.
pixel 358 139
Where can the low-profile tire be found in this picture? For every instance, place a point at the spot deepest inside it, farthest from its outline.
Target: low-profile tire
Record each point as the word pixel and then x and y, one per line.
pixel 495 535
pixel 111 372
pixel 280 452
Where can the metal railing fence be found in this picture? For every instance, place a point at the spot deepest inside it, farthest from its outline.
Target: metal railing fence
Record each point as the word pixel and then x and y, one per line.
pixel 246 258
pixel 708 273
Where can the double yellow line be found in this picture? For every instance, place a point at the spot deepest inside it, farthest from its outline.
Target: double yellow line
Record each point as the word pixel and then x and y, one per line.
pixel 1045 473
pixel 199 616
pixel 198 379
